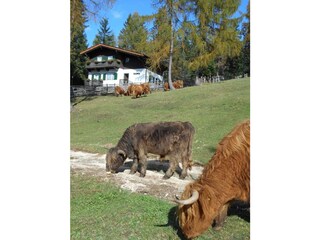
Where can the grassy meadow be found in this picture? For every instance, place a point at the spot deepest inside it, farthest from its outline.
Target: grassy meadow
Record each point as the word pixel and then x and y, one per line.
pixel 100 210
pixel 213 110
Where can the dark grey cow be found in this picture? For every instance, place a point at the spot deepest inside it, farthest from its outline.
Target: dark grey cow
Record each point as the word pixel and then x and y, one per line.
pixel 170 140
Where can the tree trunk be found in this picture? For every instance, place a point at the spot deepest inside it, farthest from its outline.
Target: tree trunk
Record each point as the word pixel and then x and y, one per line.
pixel 170 55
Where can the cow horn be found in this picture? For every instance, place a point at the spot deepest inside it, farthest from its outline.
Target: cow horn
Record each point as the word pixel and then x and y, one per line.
pixel 121 152
pixel 194 197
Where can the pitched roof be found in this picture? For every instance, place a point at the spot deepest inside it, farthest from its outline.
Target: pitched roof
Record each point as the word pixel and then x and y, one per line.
pixel 113 48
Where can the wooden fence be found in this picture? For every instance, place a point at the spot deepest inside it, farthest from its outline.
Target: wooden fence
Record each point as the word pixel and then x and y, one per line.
pixel 97 90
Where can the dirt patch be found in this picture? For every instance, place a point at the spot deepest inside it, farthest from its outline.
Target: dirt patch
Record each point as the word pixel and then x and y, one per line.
pixel 151 184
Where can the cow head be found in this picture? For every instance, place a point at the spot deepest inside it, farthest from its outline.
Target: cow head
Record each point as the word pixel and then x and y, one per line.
pixel 114 159
pixel 193 213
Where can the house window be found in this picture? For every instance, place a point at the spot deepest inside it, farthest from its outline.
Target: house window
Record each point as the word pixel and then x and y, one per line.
pixel 127 59
pixel 99 59
pixel 96 76
pixel 110 57
pixel 112 76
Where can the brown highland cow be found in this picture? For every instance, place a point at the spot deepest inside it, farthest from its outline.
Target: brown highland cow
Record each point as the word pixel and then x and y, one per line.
pixel 118 91
pixel 225 178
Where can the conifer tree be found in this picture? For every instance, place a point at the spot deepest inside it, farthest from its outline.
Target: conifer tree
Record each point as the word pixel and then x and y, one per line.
pixel 133 35
pixel 105 35
pixel 246 46
pixel 88 9
pixel 78 43
pixel 164 32
pixel 80 11
pixel 215 36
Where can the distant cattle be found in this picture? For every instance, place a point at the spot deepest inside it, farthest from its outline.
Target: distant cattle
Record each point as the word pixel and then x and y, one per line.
pixel 145 88
pixel 129 90
pixel 225 178
pixel 176 84
pixel 166 86
pixel 171 140
pixel 137 90
pixel 119 91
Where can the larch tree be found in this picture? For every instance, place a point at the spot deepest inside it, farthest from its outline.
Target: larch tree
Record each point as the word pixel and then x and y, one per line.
pixel 166 21
pixel 245 31
pixel 184 53
pixel 134 34
pixel 158 47
pixel 216 34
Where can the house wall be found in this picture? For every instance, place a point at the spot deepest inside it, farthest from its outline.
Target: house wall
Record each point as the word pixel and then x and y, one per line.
pixel 131 64
pixel 136 76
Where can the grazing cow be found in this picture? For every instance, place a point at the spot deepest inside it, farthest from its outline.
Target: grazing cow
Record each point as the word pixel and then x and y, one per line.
pixel 145 88
pixel 166 86
pixel 178 84
pixel 170 140
pixel 137 90
pixel 118 91
pixel 225 178
pixel 129 91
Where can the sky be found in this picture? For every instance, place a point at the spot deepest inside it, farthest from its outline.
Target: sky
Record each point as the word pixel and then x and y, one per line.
pixel 118 14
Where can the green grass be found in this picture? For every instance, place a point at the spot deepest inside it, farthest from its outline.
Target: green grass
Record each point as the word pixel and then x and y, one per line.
pixel 101 211
pixel 213 109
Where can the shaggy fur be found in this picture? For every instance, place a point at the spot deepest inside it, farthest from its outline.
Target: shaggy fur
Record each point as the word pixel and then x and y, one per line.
pixel 176 84
pixel 137 90
pixel 118 91
pixel 146 88
pixel 171 140
pixel 225 178
pixel 129 91
pixel 166 86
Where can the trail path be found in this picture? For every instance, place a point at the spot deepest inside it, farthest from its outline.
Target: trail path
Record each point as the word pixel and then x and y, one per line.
pixel 151 184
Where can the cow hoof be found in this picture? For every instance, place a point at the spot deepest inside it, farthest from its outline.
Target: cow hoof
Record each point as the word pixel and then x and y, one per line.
pixel 142 175
pixel 133 172
pixel 165 177
pixel 182 177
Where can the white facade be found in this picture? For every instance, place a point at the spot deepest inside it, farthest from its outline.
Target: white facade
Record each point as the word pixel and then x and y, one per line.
pixel 125 76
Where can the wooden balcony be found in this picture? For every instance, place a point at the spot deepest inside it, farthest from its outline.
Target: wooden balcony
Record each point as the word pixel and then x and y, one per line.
pixel 107 64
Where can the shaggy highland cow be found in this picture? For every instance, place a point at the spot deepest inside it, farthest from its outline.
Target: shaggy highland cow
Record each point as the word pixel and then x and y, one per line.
pixel 146 88
pixel 171 140
pixel 118 91
pixel 225 178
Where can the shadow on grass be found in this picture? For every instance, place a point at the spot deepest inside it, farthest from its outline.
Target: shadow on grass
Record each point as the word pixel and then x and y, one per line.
pixel 173 222
pixel 237 208
pixel 86 98
pixel 212 149
pixel 152 165
pixel 240 209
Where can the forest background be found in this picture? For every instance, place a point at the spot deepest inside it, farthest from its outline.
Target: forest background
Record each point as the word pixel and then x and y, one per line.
pixel 189 38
